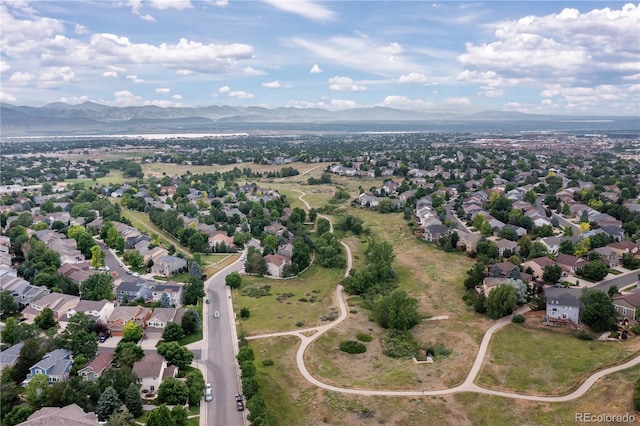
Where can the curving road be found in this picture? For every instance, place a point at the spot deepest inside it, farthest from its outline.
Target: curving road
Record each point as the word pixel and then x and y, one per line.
pixel 467 386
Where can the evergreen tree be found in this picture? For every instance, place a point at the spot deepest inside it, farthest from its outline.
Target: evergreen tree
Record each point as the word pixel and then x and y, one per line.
pixel 108 403
pixel 133 400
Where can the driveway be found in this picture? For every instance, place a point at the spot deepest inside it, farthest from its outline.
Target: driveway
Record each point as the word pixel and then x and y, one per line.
pixel 110 343
pixel 149 344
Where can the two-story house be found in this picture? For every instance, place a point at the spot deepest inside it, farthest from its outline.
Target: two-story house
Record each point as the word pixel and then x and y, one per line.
pixel 97 310
pixel 151 371
pixel 160 318
pixel 173 289
pixel 168 265
pixel 276 264
pixel 123 314
pixel 56 365
pixel 94 369
pixel 563 305
pixel 59 303
pixel 627 305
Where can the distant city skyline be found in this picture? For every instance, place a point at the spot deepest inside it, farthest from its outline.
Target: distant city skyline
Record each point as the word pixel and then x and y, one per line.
pixel 566 57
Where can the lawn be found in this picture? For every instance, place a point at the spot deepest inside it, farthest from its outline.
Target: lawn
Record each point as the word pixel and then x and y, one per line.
pixel 537 361
pixel 142 222
pixel 114 177
pixel 268 314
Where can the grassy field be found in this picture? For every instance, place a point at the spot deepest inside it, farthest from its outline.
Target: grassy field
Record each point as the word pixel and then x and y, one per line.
pixel 536 361
pixel 114 177
pixel 268 314
pixel 142 222
pixel 159 169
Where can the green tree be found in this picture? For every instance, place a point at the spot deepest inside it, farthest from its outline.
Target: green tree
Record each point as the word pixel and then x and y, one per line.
pixel 18 414
pixel 322 226
pixel 133 400
pixel 501 301
pixel 83 343
pixel 160 416
pixel 173 391
pixel 8 306
pixel 397 311
pixel 193 291
pixel 45 319
pixel 255 263
pixel 38 391
pixel 98 286
pixel 595 270
pixel 195 271
pixel 301 255
pixel 233 280
pixel 127 353
pixel 118 378
pixel 121 418
pixel 195 384
pixel 131 332
pixel 552 273
pixel 97 256
pixel 134 258
pixel 172 332
pixel 599 312
pixel 175 354
pixel 108 403
pixel 245 313
pixel 190 321
pixel 270 242
pixel 179 416
pixel 475 276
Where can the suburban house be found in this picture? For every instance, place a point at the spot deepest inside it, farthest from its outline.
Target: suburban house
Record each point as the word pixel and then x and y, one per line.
pixel 433 232
pixel 490 283
pixel 77 272
pixel 570 263
pixel 94 369
pixel 627 305
pixel 9 357
pixel 22 291
pixel 563 305
pixel 168 265
pixel 161 317
pixel 219 238
pixel 151 371
pixel 97 310
pixel 55 365
pixel 505 268
pixel 59 303
pixel 133 290
pixel 468 241
pixel 275 228
pixel 276 264
pixel 537 265
pixel 506 245
pixel 625 247
pixel 71 415
pixel 123 314
pixel 608 256
pixel 173 289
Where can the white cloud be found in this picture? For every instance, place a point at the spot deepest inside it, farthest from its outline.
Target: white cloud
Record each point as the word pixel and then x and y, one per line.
pixel 176 97
pixel 170 4
pixel 22 78
pixel 345 84
pixel 25 36
pixel 252 71
pixel 6 97
pixel 402 102
pixel 224 89
pixel 359 53
pixel 135 78
pixel 74 99
pixel 458 101
pixel 491 92
pixel 343 103
pixel 306 104
pixel 305 8
pixel 240 94
pixel 272 85
pixel 126 98
pixel 185 72
pixel 56 76
pixel 315 69
pixel 4 66
pixel 163 90
pixel 80 29
pixel 111 74
pixel 413 78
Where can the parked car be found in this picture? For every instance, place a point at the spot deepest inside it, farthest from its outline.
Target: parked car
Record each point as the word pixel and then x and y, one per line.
pixel 240 406
pixel 208 301
pixel 216 314
pixel 103 338
pixel 208 395
pixel 239 398
pixel 135 274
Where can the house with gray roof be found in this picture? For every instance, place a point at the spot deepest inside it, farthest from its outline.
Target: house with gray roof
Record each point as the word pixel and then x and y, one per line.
pixel 55 365
pixel 9 357
pixel 563 305
pixel 151 371
pixel 627 305
pixel 71 415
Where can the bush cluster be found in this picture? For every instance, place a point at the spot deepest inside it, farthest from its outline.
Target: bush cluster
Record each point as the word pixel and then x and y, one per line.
pixel 250 386
pixel 518 319
pixel 352 347
pixel 364 337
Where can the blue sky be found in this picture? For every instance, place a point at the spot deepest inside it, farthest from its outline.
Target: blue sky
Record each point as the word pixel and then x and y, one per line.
pixel 530 56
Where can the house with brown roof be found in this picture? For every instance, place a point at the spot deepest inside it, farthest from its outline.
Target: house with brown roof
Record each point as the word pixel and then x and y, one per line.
pixel 123 314
pixel 168 265
pixel 161 317
pixel 151 371
pixel 570 263
pixel 625 247
pixel 59 303
pixel 97 310
pixel 537 265
pixel 94 369
pixel 276 264
pixel 608 256
pixel 220 237
pixel 627 305
pixel 71 415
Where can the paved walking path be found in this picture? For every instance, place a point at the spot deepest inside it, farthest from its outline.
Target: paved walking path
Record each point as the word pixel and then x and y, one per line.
pixel 467 386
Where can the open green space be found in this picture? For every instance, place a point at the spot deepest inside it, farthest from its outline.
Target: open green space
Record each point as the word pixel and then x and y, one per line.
pixel 142 222
pixel 537 361
pixel 268 314
pixel 114 177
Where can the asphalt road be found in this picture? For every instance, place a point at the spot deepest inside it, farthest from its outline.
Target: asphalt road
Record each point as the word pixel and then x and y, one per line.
pixel 219 351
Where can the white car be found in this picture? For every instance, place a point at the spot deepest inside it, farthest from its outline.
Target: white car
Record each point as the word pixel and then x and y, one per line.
pixel 216 314
pixel 135 274
pixel 208 395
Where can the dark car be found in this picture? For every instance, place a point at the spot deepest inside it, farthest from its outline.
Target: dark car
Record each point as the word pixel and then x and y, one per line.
pixel 208 301
pixel 240 406
pixel 239 398
pixel 103 338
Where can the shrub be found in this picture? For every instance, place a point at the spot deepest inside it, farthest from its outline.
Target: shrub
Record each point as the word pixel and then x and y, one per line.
pixel 303 299
pixel 364 337
pixel 635 329
pixel 353 311
pixel 267 362
pixel 437 350
pixel 399 344
pixel 583 335
pixel 614 335
pixel 518 319
pixel 352 347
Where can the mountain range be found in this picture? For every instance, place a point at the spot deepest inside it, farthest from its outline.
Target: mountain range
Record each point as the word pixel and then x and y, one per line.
pixel 90 118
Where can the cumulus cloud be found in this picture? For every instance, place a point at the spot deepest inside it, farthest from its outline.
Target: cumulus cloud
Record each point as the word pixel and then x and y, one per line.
pixel 80 29
pixel 403 102
pixel 413 78
pixel 252 71
pixel 111 74
pixel 56 77
pixel 22 78
pixel 224 89
pixel 170 4
pixel 20 36
pixel 176 97
pixel 163 90
pixel 305 8
pixel 6 97
pixel 135 78
pixel 272 85
pixel 315 69
pixel 185 72
pixel 343 103
pixel 240 94
pixel 4 66
pixel 345 84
